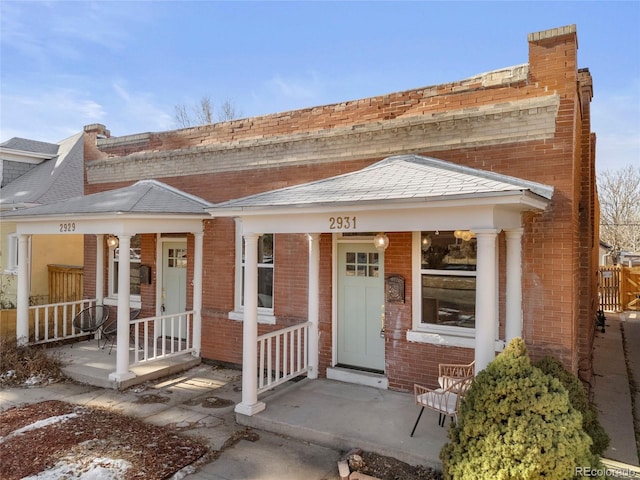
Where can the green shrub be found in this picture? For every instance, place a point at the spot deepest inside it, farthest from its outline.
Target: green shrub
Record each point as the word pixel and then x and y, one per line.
pixel 516 422
pixel 579 401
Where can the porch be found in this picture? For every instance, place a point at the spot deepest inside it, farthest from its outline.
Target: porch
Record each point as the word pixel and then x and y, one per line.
pixel 87 362
pixel 345 416
pixel 153 347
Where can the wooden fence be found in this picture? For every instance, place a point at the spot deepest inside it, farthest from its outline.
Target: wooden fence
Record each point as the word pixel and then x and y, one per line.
pixel 65 283
pixel 619 288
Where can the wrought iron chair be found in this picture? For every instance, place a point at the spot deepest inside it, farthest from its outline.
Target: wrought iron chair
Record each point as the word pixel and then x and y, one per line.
pixel 445 401
pixel 91 319
pixel 110 329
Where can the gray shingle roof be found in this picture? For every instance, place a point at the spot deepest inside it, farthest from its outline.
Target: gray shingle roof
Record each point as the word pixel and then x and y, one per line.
pixel 26 145
pixel 52 180
pixel 402 177
pixel 143 197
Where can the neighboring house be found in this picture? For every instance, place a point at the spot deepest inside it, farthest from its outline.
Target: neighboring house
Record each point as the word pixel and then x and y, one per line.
pixel 629 259
pixel 605 253
pixel 394 232
pixel 36 173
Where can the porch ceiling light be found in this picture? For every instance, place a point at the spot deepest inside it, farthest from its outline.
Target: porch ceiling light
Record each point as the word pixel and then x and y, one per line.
pixel 381 242
pixel 112 241
pixel 465 235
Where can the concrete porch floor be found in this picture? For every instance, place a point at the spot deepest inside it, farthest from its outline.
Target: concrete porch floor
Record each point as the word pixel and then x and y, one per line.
pixel 344 416
pixel 85 362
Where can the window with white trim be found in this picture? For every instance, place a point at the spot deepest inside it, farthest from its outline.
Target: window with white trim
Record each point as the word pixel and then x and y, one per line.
pixel 115 257
pixel 447 280
pixel 265 277
pixel 12 253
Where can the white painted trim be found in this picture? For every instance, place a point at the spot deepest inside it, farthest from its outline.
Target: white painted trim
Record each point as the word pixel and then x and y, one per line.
pixel 24 156
pixel 313 303
pixel 337 238
pixel 448 340
pixel 122 341
pixel 12 254
pixel 250 404
pixel 160 241
pixel 334 300
pixel 265 315
pixel 263 318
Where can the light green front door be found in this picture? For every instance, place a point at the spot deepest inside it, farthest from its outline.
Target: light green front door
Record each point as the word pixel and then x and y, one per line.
pixel 174 287
pixel 360 303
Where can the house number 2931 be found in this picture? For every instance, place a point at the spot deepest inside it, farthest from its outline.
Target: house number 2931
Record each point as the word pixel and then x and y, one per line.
pixel 68 227
pixel 342 223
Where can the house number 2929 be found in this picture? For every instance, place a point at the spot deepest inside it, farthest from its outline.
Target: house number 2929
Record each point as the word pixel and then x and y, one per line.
pixel 342 223
pixel 68 227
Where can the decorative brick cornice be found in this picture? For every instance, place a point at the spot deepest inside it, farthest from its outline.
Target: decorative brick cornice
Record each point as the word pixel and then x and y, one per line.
pixel 508 122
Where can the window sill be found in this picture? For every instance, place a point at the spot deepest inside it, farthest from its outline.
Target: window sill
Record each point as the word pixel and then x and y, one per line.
pixel 266 318
pixel 449 339
pixel 113 301
pixel 464 339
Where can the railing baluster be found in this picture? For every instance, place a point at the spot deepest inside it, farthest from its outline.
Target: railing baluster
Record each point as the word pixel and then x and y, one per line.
pixel 277 369
pixel 285 346
pixel 291 350
pixel 261 363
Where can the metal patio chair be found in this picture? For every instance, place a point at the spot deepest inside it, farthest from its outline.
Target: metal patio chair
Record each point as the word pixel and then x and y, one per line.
pixel 91 319
pixel 110 329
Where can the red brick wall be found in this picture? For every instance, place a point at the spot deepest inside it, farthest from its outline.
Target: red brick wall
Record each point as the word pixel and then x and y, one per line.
pixel 558 282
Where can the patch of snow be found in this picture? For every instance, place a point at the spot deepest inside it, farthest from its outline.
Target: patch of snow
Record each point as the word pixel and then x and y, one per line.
pixel 40 424
pixel 35 380
pixel 97 469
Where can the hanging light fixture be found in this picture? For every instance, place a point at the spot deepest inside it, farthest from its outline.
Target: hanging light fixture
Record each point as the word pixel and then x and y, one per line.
pixel 426 243
pixel 112 241
pixel 381 242
pixel 464 235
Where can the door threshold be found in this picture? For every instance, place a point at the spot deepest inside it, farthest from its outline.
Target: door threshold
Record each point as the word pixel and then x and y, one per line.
pixel 359 377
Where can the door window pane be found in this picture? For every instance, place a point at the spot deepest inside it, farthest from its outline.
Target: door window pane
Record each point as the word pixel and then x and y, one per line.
pixel 362 264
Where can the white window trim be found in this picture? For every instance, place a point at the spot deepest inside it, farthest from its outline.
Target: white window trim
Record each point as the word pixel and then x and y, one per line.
pixel 265 315
pixel 12 254
pixel 112 297
pixel 433 334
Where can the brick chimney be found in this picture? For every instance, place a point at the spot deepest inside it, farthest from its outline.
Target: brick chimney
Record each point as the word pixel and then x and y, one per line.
pixel 91 134
pixel 553 58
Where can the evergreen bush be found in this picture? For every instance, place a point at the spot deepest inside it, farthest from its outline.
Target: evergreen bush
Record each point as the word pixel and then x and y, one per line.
pixel 516 422
pixel 579 401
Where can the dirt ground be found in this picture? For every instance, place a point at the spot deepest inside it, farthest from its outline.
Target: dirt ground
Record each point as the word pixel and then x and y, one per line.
pixel 57 438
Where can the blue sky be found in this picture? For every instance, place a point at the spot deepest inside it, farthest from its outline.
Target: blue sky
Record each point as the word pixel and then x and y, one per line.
pixel 127 64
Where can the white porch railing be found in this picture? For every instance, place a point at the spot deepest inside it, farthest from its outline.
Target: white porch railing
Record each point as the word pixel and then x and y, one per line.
pixel 163 336
pixel 285 353
pixel 53 322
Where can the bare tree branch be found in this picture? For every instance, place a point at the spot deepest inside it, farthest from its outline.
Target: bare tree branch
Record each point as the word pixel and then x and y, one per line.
pixel 202 113
pixel 619 193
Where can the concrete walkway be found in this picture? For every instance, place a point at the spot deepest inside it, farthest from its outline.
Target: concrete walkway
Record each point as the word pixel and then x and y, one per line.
pixel 343 415
pixel 199 403
pixel 612 395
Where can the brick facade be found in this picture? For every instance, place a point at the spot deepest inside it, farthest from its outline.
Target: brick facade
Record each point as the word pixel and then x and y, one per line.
pixel 530 121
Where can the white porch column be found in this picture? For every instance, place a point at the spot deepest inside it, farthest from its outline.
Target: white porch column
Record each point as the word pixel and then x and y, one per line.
pixel 197 293
pixel 513 326
pixel 99 269
pixel 124 288
pixel 486 298
pixel 249 404
pixel 314 303
pixel 22 307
